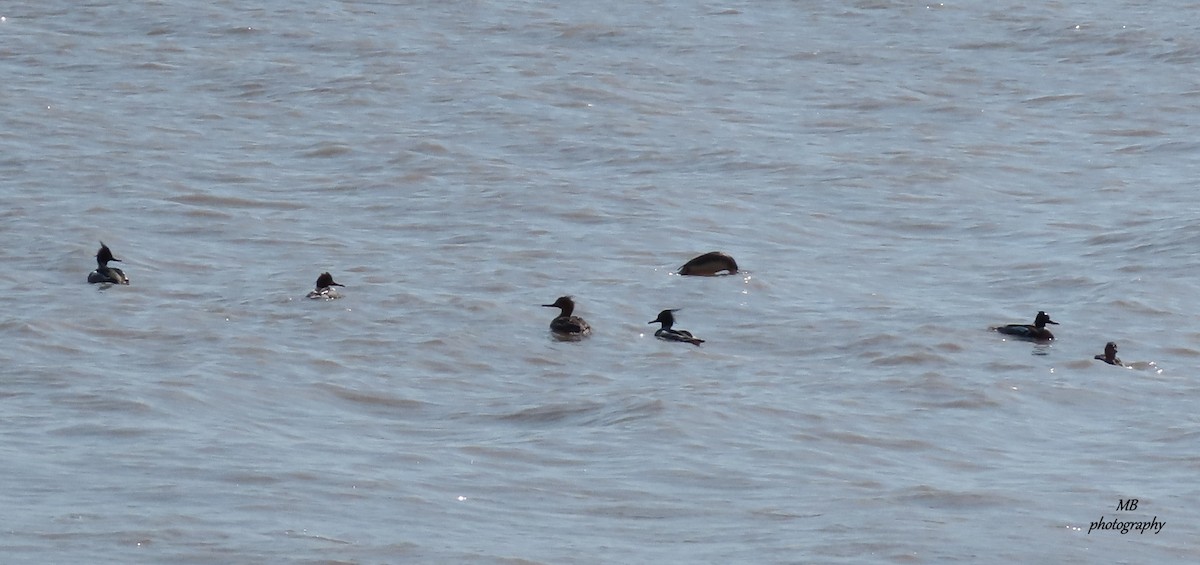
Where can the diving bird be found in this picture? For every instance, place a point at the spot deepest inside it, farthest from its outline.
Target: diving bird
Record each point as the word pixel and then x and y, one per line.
pixel 1036 330
pixel 324 288
pixel 565 324
pixel 710 264
pixel 1110 355
pixel 667 319
pixel 104 273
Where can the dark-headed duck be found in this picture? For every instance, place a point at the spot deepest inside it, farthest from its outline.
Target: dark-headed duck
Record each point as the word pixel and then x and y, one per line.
pixel 104 273
pixel 1036 330
pixel 667 319
pixel 565 325
pixel 1110 355
pixel 324 288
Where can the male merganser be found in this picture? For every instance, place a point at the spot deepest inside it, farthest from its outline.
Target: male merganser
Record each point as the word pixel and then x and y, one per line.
pixel 1037 330
pixel 325 288
pixel 667 319
pixel 566 325
pixel 104 273
pixel 1110 355
pixel 709 264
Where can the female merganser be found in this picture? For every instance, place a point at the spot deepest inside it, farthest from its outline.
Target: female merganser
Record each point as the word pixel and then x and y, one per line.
pixel 1037 330
pixel 1110 355
pixel 709 264
pixel 325 288
pixel 104 273
pixel 667 319
pixel 566 325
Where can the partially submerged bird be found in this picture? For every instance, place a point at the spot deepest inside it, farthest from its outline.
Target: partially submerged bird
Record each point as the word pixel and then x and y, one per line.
pixel 324 288
pixel 1110 355
pixel 104 273
pixel 565 325
pixel 667 319
pixel 710 264
pixel 1036 330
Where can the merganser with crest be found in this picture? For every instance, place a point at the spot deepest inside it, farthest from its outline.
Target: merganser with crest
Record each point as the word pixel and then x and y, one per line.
pixel 1036 330
pixel 710 264
pixel 324 288
pixel 104 273
pixel 565 325
pixel 667 319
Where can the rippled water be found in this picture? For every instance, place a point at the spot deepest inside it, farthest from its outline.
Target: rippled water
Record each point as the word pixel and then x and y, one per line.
pixel 894 178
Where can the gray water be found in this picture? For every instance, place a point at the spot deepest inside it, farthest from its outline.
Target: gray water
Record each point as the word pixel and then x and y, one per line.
pixel 894 179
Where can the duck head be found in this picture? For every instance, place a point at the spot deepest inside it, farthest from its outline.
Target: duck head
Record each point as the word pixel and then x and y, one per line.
pixel 1042 319
pixel 565 303
pixel 326 280
pixel 666 318
pixel 105 255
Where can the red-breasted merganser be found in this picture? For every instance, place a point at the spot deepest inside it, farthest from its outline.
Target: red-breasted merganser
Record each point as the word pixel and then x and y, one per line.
pixel 667 319
pixel 325 288
pixel 104 273
pixel 566 325
pixel 1036 330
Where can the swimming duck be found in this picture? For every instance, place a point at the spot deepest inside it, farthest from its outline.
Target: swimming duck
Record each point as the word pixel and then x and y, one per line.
pixel 667 319
pixel 1037 330
pixel 1110 355
pixel 104 273
pixel 709 264
pixel 566 325
pixel 325 288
